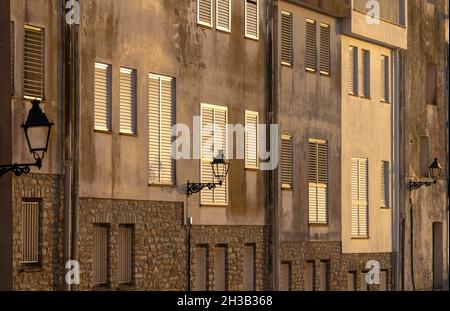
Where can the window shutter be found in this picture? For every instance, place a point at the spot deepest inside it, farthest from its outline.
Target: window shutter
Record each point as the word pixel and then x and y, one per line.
pixel 384 184
pixel 214 138
pixel 359 192
pixel 34 56
pixel 251 139
pixel 286 38
pixel 249 268
pixel 161 119
pixel 365 73
pixel 30 232
pixel 353 70
pixel 286 162
pixel 325 49
pixel 102 113
pixel 100 261
pixel 13 51
pixel 127 101
pixel 311 45
pixel 204 12
pixel 251 19
pixel 220 269
pixel 223 15
pixel 125 253
pixel 384 78
pixel 200 269
pixel 318 181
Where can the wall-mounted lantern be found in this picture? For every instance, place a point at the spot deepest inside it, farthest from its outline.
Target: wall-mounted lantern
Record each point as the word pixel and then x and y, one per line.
pixel 434 171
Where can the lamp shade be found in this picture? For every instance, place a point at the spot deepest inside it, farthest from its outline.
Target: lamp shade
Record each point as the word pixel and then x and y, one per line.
pixel 435 169
pixel 220 166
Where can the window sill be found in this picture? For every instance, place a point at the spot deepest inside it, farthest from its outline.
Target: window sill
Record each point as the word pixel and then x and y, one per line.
pixel 252 169
pixel 318 224
pixel 366 97
pixel 129 134
pixel 325 74
pixel 251 38
pixel 354 95
pixel 286 65
pixel 102 131
pixel 30 267
pixel 163 185
pixel 204 25
pixel 310 70
pixel 214 205
pixel 385 207
pixel 360 238
pixel 226 31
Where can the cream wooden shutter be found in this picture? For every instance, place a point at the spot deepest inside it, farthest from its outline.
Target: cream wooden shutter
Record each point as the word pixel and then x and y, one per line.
pixel 13 52
pixel 325 49
pixel 286 38
pixel 223 15
pixel 34 63
pixel 365 76
pixel 127 101
pixel 286 162
pixel 352 70
pixel 30 232
pixel 359 193
pixel 205 12
pixel 384 184
pixel 214 138
pixel 100 258
pixel 125 253
pixel 318 181
pixel 251 139
pixel 384 78
pixel 102 102
pixel 252 19
pixel 311 45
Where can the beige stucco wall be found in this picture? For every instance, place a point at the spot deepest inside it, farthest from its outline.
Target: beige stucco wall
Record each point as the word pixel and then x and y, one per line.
pixel 366 133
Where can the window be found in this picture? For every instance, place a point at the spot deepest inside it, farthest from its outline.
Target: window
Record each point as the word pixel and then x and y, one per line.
pixel 200 268
pixel 251 139
pixel 286 38
pixel 365 73
pixel 161 118
pixel 34 60
pixel 309 276
pixel 438 256
pixel 324 272
pixel 384 184
pixel 431 84
pixel 359 194
pixel 285 276
pixel 383 281
pixel 102 113
pixel 126 237
pixel 318 181
pixel 101 254
pixel 353 70
pixel 214 138
pixel 286 162
pixel 30 232
pixel 325 49
pixel 384 78
pixel 127 101
pixel 223 15
pixel 12 30
pixel 252 19
pixel 352 281
pixel 249 268
pixel 310 45
pixel 205 12
pixel 220 268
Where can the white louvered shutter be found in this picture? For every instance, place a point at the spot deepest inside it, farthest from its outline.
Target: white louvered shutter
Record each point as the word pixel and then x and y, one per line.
pixel 359 193
pixel 311 45
pixel 34 59
pixel 161 119
pixel 251 19
pixel 205 12
pixel 100 260
pixel 251 139
pixel 127 101
pixel 352 70
pixel 318 181
pixel 223 15
pixel 286 162
pixel 30 232
pixel 125 254
pixel 286 38
pixel 384 79
pixel 384 184
pixel 325 49
pixel 365 76
pixel 13 51
pixel 214 138
pixel 102 101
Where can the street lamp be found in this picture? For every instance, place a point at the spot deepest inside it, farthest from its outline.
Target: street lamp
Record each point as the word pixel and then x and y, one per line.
pixel 220 169
pixel 434 171
pixel 37 132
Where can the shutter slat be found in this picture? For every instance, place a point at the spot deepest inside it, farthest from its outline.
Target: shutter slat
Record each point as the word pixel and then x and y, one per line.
pixel 286 38
pixel 34 63
pixel 311 46
pixel 251 19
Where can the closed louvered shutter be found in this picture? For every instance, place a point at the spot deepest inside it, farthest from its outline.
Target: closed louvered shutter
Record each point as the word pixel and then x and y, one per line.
pixel 325 49
pixel 318 181
pixel 384 184
pixel 34 78
pixel 286 38
pixel 286 162
pixel 161 119
pixel 251 19
pixel 127 101
pixel 214 138
pixel 359 193
pixel 30 232
pixel 100 260
pixel 13 51
pixel 125 253
pixel 311 48
pixel 223 15
pixel 365 66
pixel 353 70
pixel 251 139
pixel 205 12
pixel 102 113
pixel 384 78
